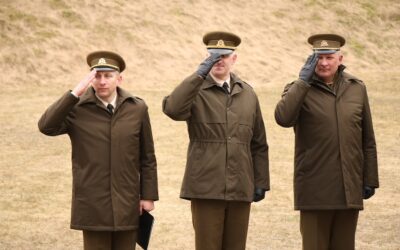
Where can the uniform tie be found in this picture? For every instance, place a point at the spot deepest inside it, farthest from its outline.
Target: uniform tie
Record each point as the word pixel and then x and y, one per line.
pixel 110 108
pixel 225 87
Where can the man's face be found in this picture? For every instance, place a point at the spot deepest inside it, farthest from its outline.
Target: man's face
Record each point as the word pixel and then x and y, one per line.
pixel 105 84
pixel 222 68
pixel 327 65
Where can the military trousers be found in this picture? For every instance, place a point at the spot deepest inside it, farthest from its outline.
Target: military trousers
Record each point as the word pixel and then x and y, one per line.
pixel 328 229
pixel 219 224
pixel 105 240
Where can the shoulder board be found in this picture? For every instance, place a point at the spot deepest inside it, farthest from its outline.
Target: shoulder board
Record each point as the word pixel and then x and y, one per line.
pixel 247 84
pixel 352 78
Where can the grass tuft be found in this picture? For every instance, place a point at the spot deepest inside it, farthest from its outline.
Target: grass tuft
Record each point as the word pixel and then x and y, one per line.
pixel 357 47
pixel 370 9
pixel 58 4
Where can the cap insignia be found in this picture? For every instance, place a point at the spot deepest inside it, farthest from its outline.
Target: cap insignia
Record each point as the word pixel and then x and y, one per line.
pixel 221 43
pixel 324 43
pixel 102 61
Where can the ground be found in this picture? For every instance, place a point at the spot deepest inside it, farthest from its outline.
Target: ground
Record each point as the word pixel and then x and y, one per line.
pixel 43 46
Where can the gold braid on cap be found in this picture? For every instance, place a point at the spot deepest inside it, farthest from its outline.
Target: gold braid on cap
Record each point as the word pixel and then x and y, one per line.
pixel 326 44
pixel 221 44
pixel 102 62
pixel 106 66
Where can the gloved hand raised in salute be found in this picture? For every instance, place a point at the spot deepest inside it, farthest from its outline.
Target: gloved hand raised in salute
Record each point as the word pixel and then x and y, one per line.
pixel 308 69
pixel 206 66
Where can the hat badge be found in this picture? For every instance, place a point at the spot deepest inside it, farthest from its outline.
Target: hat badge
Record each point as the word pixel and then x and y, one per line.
pixel 220 43
pixel 324 43
pixel 102 61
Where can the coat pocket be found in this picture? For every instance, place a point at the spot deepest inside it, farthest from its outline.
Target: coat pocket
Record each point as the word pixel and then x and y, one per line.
pixel 245 132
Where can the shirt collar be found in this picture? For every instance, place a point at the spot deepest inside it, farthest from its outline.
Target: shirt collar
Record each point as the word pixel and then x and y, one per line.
pixel 221 82
pixel 90 97
pixel 113 101
pixel 237 83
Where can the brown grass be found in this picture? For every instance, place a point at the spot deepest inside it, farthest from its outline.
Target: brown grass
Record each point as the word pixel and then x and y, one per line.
pixel 43 45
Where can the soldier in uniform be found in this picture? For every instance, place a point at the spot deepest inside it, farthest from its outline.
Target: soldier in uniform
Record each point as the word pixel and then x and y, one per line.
pixel 335 151
pixel 227 161
pixel 113 160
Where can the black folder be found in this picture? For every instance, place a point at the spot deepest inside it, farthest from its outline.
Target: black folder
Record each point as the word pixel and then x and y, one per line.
pixel 146 222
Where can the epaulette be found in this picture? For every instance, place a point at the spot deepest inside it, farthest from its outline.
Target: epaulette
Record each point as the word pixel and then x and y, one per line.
pixel 352 78
pixel 251 86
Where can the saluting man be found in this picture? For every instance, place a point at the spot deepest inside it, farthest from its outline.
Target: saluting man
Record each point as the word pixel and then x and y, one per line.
pixel 335 151
pixel 113 160
pixel 227 161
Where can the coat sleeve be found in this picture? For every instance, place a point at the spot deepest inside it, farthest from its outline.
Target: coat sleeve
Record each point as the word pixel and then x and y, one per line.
pixel 148 163
pixel 288 108
pixel 178 104
pixel 369 147
pixel 259 152
pixel 53 122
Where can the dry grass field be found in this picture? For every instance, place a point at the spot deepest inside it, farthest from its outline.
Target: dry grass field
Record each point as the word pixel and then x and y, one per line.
pixel 43 45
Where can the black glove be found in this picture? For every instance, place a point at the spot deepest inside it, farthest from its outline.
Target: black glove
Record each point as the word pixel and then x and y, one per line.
pixel 308 69
pixel 207 64
pixel 368 192
pixel 259 194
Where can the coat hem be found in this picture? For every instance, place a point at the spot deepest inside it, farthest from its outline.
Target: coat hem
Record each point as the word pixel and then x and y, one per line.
pixel 329 207
pixel 103 228
pixel 189 197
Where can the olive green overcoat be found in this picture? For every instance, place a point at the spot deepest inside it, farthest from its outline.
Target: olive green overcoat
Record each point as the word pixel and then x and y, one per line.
pixel 335 149
pixel 228 153
pixel 113 160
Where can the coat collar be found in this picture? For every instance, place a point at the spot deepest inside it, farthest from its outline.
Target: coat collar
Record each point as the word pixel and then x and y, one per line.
pixel 337 80
pixel 345 80
pixel 236 83
pixel 342 80
pixel 90 97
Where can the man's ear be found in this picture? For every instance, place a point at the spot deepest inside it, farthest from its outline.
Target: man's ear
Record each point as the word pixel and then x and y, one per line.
pixel 234 58
pixel 119 80
pixel 340 58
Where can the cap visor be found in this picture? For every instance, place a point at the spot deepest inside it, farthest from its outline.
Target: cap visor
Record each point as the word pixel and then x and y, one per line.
pixel 220 51
pixel 325 51
pixel 104 69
